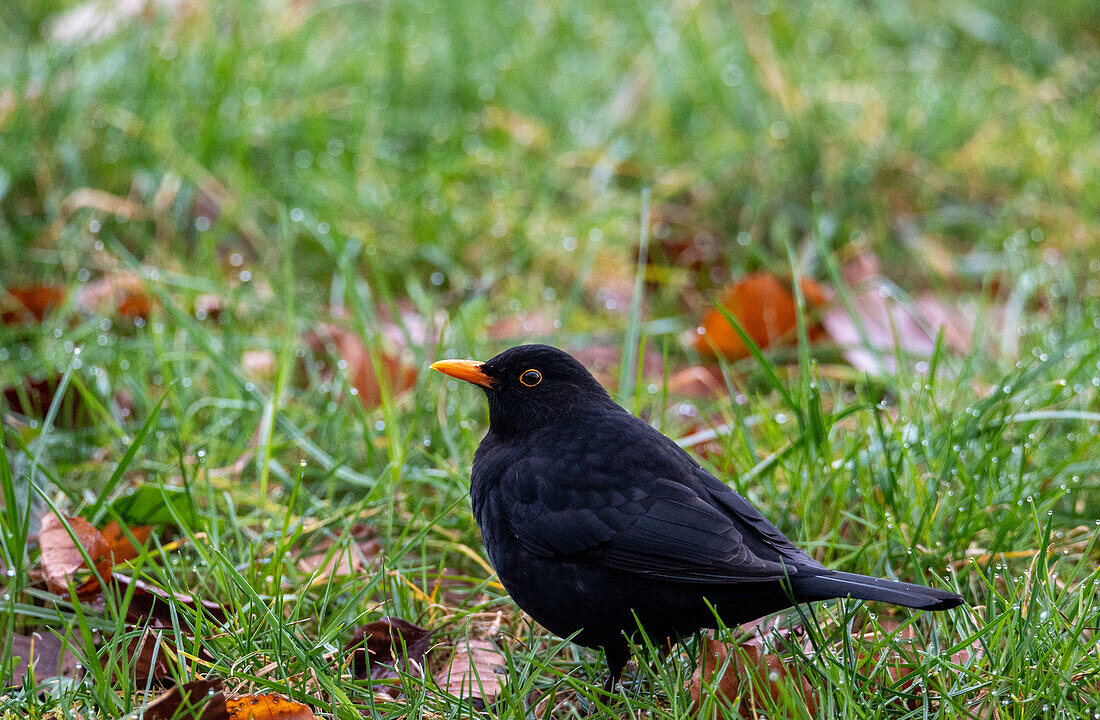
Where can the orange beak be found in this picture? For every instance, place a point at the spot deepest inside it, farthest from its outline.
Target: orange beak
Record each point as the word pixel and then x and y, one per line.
pixel 468 370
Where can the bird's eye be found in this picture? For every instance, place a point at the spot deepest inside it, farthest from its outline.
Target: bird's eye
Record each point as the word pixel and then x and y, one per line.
pixel 530 378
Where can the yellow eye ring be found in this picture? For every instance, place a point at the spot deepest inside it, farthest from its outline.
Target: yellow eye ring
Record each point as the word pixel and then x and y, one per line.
pixel 531 377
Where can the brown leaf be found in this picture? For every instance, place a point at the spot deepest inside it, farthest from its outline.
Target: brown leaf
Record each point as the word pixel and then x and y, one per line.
pixel 33 397
pixel 346 559
pixel 186 701
pixel 148 658
pixel 476 670
pixel 61 557
pixel 206 700
pixel 30 303
pixel 117 293
pixel 397 375
pixel 374 649
pixel 754 678
pixel 43 651
pixel 150 602
pixel 764 307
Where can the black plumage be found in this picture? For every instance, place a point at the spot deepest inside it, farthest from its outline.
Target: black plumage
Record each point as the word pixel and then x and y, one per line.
pixel 596 522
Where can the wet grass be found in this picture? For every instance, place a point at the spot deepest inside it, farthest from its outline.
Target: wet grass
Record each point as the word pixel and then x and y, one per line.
pixel 457 169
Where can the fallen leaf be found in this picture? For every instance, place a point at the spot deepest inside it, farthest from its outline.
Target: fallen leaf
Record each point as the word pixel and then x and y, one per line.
pixel 374 649
pixel 765 309
pixel 263 707
pixel 31 303
pixel 118 293
pixel 119 547
pixel 44 652
pixel 33 397
pixel 883 320
pixel 754 678
pixel 148 658
pixel 345 559
pixel 150 602
pixel 475 670
pixel 61 557
pixel 186 701
pixel 397 375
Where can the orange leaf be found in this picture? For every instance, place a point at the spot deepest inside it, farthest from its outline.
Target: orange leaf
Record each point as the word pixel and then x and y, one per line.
pixel 264 707
pixel 29 303
pixel 764 307
pixel 119 547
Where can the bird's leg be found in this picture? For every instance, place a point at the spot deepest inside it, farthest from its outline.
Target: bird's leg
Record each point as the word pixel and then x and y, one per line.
pixel 616 661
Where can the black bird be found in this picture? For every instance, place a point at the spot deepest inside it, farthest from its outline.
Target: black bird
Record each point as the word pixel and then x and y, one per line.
pixel 597 523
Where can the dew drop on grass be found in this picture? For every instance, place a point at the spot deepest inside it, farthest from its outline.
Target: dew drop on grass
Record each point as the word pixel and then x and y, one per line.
pixel 380 425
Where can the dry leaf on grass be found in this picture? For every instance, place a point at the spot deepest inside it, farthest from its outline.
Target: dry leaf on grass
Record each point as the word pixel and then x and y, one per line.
pixel 397 375
pixel 352 558
pixel 476 670
pixel 755 678
pixel 118 293
pixel 885 320
pixel 62 559
pixel 266 706
pixel 150 602
pixel 765 308
pixel 149 658
pixel 184 701
pixel 206 700
pixel 34 396
pixel 374 649
pixel 43 651
pixel 31 303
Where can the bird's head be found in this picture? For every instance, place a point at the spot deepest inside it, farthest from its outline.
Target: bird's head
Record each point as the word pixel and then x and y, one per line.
pixel 530 386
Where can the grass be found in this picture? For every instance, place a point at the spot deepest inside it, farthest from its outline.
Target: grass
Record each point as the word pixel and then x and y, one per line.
pixel 420 170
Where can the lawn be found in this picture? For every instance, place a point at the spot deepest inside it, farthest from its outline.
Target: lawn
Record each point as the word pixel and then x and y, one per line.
pixel 234 236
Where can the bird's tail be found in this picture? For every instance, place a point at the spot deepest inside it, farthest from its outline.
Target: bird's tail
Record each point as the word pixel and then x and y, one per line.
pixel 863 587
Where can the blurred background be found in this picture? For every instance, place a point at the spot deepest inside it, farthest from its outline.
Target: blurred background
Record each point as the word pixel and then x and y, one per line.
pixel 499 149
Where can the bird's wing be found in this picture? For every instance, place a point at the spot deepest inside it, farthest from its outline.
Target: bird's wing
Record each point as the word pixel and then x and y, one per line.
pixel 635 521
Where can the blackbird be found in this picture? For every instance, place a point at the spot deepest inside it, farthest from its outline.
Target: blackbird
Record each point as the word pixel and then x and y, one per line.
pixel 597 524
